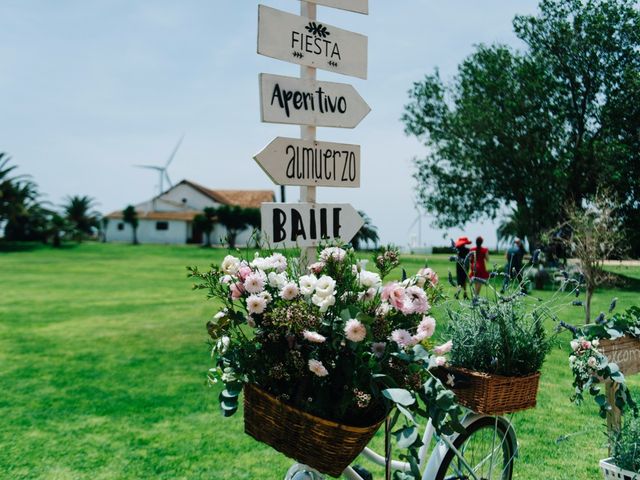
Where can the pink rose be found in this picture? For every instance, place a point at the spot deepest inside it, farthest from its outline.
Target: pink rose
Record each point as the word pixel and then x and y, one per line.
pixel 236 290
pixel 394 294
pixel 244 272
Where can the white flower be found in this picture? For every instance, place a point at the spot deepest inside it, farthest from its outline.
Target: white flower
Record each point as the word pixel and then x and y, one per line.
pixel 367 294
pixel 325 286
pixel 289 291
pixel 444 348
pixel 278 262
pixel 592 362
pixel 277 280
pixel 402 337
pixel 223 344
pixel 221 314
pixel 254 283
pixel 427 326
pixel 230 265
pixel 355 331
pixel 595 342
pixel 369 279
pixel 572 360
pixel 256 304
pixel 378 349
pixel 575 345
pixel 307 284
pixel 383 309
pixel 440 361
pixel 225 279
pixel 313 337
pixel 323 302
pixel 318 368
pixel 451 380
pixel 266 295
pixel 336 253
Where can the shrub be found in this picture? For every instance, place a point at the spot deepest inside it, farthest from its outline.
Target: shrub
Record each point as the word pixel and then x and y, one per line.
pixel 626 447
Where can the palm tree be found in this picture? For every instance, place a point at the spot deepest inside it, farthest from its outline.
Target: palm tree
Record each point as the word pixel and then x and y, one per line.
pixel 130 216
pixel 367 233
pixel 78 211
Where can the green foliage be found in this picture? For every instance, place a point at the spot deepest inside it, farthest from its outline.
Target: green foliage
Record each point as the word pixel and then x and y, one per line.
pixel 206 222
pixel 368 233
pixel 505 336
pixel 235 219
pixel 83 220
pixel 529 130
pixel 626 446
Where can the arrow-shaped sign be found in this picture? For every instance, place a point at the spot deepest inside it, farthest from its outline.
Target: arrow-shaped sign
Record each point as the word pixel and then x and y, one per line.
pixel 358 6
pixel 300 40
pixel 308 102
pixel 308 224
pixel 289 161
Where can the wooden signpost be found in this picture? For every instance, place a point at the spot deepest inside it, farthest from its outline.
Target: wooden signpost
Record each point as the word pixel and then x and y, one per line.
pixel 304 101
pixel 302 40
pixel 307 224
pixel 358 6
pixel 290 161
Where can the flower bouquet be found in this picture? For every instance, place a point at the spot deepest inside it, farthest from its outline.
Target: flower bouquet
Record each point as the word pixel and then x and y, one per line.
pixel 324 353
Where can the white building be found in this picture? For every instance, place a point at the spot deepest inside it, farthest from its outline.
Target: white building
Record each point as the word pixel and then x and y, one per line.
pixel 168 218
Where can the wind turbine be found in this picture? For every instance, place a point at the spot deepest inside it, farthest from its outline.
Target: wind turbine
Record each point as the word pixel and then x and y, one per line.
pixel 418 221
pixel 163 170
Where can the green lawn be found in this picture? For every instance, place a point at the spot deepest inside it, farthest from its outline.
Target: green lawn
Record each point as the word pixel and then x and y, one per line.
pixel 102 363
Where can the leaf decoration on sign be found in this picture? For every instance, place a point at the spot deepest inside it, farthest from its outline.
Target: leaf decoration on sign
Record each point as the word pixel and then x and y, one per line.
pixel 317 29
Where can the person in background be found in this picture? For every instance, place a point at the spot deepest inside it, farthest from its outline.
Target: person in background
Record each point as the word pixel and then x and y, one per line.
pixel 515 259
pixel 462 264
pixel 479 273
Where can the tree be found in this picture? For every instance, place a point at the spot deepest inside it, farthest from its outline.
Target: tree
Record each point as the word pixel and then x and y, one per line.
pixel 78 211
pixel 367 233
pixel 595 234
pixel 525 131
pixel 234 219
pixel 130 216
pixel 205 222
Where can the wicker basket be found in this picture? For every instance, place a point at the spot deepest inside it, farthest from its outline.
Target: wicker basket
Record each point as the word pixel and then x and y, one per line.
pixel 625 352
pixel 327 446
pixel 611 472
pixel 491 394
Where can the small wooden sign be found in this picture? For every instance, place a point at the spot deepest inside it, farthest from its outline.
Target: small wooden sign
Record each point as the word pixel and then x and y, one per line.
pixel 289 161
pixel 308 224
pixel 303 41
pixel 307 102
pixel 358 6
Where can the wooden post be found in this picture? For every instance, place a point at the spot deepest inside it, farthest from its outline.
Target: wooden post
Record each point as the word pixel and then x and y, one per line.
pixel 307 194
pixel 614 416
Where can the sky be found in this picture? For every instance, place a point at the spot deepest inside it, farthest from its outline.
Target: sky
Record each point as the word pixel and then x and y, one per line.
pixel 90 89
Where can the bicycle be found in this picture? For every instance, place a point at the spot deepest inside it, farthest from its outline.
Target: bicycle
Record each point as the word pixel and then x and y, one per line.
pixel 486 450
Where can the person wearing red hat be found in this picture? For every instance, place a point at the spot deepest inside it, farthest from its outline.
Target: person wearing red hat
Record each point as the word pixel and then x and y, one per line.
pixel 461 264
pixel 480 257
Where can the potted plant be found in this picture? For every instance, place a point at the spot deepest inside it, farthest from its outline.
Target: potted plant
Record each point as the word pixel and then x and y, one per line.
pixel 625 462
pixel 498 349
pixel 324 353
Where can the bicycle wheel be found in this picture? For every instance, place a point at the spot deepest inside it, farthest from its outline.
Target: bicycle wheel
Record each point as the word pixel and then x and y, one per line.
pixel 488 446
